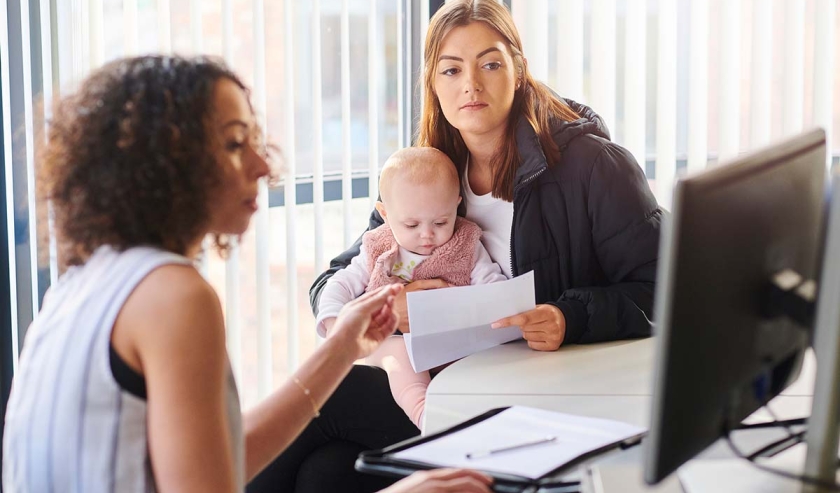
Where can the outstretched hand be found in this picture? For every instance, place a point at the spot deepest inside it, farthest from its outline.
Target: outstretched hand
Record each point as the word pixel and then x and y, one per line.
pixel 366 321
pixel 443 480
pixel 544 327
pixel 401 305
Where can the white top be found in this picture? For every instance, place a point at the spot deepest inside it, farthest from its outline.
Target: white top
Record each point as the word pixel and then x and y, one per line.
pixel 349 283
pixel 494 217
pixel 69 424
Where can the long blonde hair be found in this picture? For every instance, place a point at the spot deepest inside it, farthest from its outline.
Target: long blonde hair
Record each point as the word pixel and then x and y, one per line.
pixel 531 100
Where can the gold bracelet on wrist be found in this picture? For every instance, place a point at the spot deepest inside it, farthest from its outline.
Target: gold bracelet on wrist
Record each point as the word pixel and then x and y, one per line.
pixel 308 394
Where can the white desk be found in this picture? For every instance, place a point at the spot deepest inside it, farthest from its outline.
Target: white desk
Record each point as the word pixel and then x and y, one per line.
pixel 611 380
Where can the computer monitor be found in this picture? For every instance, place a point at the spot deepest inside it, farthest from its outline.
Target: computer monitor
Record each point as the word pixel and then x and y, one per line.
pixel 719 356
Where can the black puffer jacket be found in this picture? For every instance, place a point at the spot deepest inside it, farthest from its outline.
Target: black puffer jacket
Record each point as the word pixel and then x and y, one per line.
pixel 588 227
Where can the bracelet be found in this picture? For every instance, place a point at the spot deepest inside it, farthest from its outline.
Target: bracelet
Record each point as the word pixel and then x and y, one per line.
pixel 308 394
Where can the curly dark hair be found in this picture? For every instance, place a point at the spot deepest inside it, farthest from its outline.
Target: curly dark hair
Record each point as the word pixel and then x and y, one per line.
pixel 128 158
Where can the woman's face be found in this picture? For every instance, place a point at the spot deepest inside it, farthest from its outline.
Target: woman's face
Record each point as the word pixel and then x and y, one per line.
pixel 475 80
pixel 233 122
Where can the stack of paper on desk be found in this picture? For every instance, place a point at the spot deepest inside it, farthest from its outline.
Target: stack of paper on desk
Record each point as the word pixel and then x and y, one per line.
pixel 522 441
pixel 448 324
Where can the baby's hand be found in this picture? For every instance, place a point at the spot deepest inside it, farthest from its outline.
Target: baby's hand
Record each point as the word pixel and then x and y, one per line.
pixel 365 322
pixel 401 305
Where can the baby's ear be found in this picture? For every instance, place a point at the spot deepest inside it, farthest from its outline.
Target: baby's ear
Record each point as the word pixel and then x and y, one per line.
pixel 380 207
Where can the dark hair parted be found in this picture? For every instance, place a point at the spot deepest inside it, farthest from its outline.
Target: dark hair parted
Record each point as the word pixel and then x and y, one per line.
pixel 532 101
pixel 129 160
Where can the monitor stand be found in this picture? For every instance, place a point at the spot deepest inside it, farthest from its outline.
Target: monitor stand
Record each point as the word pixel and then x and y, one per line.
pixel 739 476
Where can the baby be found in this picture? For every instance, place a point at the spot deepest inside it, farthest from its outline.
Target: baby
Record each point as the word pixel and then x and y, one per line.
pixel 422 238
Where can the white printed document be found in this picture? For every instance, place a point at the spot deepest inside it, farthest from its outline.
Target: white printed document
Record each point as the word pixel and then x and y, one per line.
pixel 523 441
pixel 450 323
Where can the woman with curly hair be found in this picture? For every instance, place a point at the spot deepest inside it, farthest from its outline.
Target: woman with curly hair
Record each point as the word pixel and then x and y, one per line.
pixel 124 382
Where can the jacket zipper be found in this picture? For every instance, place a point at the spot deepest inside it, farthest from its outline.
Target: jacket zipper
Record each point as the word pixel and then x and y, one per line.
pixel 512 263
pixel 527 180
pixel 513 222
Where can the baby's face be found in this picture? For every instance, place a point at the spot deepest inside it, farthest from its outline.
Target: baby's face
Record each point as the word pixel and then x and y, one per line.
pixel 422 217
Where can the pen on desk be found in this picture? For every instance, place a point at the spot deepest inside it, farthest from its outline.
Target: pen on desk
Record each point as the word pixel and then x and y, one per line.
pixel 485 453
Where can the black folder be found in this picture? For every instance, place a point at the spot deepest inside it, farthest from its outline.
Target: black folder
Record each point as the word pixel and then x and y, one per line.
pixel 382 462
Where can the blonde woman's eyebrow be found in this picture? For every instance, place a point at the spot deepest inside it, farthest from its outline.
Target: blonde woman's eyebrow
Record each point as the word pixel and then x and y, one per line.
pixel 459 59
pixel 488 50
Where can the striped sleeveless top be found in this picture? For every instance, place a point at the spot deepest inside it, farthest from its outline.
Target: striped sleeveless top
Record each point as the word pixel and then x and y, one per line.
pixel 70 427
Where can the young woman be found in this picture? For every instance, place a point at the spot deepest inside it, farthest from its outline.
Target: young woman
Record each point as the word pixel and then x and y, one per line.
pixel 549 189
pixel 124 382
pixel 541 177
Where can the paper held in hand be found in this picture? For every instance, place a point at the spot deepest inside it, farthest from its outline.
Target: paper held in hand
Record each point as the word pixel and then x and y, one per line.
pixel 450 323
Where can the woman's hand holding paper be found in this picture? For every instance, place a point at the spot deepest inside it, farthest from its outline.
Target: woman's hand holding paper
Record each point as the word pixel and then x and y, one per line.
pixel 544 327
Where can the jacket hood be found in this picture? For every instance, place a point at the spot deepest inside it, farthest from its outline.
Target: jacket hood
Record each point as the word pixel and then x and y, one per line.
pixel 588 123
pixel 530 152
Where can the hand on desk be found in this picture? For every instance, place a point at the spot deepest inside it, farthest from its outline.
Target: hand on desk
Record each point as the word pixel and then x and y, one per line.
pixel 544 327
pixel 443 480
pixel 401 306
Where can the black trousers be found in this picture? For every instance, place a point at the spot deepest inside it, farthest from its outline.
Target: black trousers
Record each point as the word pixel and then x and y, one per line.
pixel 361 415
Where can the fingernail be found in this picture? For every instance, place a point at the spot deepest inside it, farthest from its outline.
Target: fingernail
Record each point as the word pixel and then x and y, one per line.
pixel 495 325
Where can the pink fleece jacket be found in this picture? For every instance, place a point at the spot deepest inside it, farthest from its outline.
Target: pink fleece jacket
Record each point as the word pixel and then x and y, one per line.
pixel 453 261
